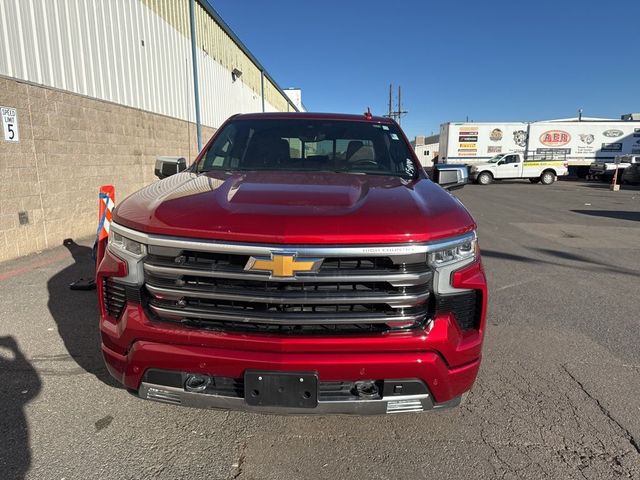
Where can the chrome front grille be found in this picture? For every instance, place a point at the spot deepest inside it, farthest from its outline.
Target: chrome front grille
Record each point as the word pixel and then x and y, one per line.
pixel 347 293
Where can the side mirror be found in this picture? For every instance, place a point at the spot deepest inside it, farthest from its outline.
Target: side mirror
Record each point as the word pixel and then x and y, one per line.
pixel 451 177
pixel 167 166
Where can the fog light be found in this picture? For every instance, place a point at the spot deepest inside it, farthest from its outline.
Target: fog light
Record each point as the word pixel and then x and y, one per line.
pixel 197 383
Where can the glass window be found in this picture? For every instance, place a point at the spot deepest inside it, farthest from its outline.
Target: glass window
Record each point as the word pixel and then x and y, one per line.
pixel 310 145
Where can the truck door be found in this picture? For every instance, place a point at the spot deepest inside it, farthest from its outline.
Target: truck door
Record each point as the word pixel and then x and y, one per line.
pixel 509 167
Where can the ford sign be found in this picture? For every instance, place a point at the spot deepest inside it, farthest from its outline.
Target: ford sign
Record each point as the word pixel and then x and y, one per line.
pixel 613 133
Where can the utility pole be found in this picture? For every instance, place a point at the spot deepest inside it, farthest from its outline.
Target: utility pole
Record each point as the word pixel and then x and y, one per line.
pixel 400 112
pixel 397 114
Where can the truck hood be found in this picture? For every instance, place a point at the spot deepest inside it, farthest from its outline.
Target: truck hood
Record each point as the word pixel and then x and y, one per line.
pixel 295 208
pixel 483 165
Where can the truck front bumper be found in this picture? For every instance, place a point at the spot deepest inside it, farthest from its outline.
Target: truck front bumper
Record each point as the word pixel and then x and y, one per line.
pixel 443 358
pixel 396 404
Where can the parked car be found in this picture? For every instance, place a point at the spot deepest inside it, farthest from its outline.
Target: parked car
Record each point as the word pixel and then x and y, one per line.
pixel 305 263
pixel 631 174
pixel 513 165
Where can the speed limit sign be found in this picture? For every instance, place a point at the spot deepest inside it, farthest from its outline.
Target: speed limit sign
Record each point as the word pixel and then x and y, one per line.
pixel 10 124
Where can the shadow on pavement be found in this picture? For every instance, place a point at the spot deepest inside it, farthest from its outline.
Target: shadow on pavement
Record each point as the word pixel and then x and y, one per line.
pixel 76 313
pixel 19 384
pixel 589 264
pixel 606 186
pixel 617 214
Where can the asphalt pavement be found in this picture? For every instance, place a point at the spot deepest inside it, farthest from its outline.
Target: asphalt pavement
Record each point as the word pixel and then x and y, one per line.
pixel 558 395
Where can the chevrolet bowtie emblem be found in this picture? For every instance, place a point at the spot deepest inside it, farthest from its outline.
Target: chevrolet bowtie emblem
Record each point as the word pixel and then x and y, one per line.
pixel 283 265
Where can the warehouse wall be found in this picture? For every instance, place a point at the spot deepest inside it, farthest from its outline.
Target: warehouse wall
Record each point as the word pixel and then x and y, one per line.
pixel 101 88
pixel 69 146
pixel 218 46
pixel 132 52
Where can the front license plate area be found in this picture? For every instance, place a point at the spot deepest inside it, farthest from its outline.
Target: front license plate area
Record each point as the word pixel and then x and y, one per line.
pixel 281 389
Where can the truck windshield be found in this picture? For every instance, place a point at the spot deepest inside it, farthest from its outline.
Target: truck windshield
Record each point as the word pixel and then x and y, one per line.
pixel 310 146
pixel 496 159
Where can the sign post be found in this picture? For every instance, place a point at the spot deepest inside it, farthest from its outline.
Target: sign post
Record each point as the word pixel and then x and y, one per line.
pixel 614 182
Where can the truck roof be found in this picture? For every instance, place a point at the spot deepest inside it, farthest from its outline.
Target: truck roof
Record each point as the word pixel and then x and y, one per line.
pixel 314 116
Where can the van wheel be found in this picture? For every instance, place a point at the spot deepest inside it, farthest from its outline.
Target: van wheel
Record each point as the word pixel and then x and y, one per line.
pixel 548 177
pixel 535 180
pixel 485 178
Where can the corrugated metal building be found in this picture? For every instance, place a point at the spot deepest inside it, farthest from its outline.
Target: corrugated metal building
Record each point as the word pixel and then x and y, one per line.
pixel 135 53
pixel 99 89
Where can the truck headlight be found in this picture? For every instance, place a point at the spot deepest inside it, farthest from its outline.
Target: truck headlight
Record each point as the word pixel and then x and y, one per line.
pixel 131 251
pixel 466 249
pixel 121 243
pixel 450 257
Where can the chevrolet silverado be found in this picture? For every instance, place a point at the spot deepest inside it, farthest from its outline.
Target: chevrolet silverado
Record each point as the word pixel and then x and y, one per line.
pixel 304 263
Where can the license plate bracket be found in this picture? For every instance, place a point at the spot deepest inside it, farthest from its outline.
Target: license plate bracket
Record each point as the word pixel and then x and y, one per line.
pixel 281 389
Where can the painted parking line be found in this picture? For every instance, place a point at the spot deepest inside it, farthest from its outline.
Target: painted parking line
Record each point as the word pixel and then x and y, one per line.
pixel 32 266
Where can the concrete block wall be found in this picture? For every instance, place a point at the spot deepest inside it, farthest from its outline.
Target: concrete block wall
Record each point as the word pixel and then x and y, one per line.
pixel 69 146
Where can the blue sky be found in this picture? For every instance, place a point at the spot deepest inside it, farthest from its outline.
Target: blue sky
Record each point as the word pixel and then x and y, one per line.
pixel 489 60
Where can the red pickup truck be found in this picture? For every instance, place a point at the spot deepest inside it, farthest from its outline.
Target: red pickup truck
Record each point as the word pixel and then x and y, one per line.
pixel 304 263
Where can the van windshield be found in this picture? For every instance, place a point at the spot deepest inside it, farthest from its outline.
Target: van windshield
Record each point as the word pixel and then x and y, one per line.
pixel 310 146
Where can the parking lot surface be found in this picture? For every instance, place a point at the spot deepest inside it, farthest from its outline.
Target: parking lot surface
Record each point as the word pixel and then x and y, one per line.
pixel 557 396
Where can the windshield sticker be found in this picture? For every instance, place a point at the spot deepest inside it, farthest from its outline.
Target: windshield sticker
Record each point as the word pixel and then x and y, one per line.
pixel 409 167
pixel 394 136
pixel 384 127
pixel 377 126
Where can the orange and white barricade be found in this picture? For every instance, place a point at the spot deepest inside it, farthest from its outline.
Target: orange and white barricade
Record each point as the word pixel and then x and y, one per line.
pixel 107 200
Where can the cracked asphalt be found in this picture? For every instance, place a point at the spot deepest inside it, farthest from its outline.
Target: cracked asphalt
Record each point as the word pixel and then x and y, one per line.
pixel 558 395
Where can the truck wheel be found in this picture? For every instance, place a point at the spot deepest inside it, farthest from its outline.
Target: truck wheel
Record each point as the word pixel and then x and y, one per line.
pixel 548 177
pixel 535 180
pixel 485 178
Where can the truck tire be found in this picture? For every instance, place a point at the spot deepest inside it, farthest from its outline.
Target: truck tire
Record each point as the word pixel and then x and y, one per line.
pixel 485 178
pixel 535 180
pixel 547 177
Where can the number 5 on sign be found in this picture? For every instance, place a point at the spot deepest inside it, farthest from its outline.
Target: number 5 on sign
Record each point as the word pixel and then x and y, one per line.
pixel 10 124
